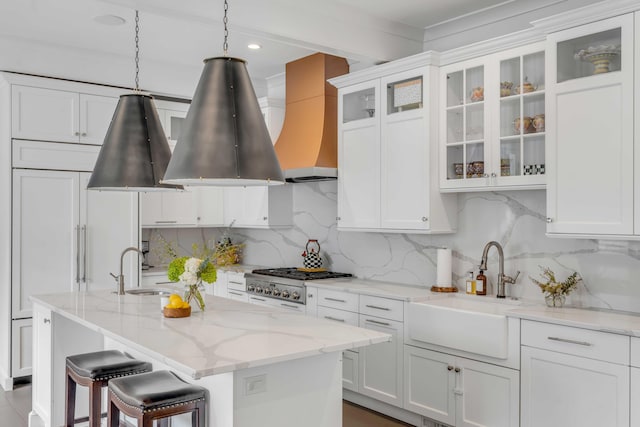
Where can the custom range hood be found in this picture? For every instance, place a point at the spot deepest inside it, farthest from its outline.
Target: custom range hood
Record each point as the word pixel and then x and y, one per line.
pixel 308 144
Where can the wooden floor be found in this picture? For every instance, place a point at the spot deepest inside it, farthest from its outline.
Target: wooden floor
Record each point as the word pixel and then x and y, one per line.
pixel 357 416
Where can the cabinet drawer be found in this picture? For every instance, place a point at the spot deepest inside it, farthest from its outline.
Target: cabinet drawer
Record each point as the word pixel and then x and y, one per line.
pixel 342 316
pixel 635 352
pixel 579 342
pixel 382 307
pixel 337 299
pixel 51 155
pixel 236 281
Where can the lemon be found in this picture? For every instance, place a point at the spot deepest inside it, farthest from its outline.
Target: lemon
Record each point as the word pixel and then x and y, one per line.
pixel 175 299
pixel 185 305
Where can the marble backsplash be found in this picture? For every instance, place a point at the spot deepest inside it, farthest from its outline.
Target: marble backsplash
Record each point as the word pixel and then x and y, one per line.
pixel 610 269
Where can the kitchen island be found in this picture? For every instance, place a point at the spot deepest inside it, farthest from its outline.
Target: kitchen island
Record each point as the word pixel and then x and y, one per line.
pixel 262 366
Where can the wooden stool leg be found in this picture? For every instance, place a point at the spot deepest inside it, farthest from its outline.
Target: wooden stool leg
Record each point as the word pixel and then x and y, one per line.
pixel 95 403
pixel 70 401
pixel 113 413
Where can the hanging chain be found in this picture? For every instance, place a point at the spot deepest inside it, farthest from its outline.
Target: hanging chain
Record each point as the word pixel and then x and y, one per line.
pixel 137 51
pixel 225 20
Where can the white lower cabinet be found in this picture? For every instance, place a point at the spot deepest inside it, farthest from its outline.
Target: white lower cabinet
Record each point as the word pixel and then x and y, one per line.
pixel 635 396
pixel 380 365
pixel 573 377
pixel 350 370
pixel 459 391
pixel 42 368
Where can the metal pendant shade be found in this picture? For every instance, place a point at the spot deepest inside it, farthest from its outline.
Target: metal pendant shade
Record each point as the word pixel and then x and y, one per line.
pixel 135 152
pixel 225 141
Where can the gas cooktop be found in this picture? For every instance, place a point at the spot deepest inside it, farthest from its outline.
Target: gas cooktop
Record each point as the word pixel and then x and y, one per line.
pixel 294 273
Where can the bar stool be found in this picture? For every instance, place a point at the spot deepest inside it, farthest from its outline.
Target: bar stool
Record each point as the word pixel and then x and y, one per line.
pixel 94 370
pixel 153 396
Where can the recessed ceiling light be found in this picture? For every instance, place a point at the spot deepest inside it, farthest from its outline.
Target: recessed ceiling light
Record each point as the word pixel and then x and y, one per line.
pixel 110 20
pixel 254 46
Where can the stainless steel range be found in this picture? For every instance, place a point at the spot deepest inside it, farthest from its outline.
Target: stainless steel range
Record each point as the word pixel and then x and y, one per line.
pixel 285 283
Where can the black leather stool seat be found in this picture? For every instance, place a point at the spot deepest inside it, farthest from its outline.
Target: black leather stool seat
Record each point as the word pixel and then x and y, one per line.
pixel 155 390
pixel 103 365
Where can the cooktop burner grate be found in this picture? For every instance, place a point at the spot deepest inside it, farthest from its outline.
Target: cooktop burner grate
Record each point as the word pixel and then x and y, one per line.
pixel 294 273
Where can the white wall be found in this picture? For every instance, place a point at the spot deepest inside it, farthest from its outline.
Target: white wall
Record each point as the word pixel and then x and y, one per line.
pixel 515 219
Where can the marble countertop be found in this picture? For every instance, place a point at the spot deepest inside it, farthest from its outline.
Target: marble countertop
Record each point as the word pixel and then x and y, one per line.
pixel 238 268
pixel 371 287
pixel 594 319
pixel 228 336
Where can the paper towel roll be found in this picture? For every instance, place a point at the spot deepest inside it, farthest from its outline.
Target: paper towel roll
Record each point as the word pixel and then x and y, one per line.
pixel 444 267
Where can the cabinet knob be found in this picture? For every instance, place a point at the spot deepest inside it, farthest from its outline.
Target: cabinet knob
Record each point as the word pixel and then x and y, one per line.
pixel 425 219
pixel 493 175
pixel 549 220
pixel 309 295
pixel 84 134
pixel 198 218
pixel 449 368
pixel 338 218
pixel 76 133
pixel 45 320
pixel 457 370
pixel 264 218
pixel 486 175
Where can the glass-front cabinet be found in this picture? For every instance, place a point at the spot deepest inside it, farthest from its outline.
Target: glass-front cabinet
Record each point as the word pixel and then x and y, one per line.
pixel 493 126
pixel 387 179
pixel 590 128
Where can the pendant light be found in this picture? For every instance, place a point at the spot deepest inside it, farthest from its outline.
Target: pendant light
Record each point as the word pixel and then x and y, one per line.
pixel 135 152
pixel 225 141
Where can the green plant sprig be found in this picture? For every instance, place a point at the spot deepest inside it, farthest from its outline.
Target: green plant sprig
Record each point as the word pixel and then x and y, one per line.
pixel 550 284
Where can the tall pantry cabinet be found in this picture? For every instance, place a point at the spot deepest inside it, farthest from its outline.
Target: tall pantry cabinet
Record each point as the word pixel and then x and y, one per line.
pixel 57 235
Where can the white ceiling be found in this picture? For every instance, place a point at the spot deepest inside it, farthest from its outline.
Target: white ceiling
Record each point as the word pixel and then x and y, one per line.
pixel 180 33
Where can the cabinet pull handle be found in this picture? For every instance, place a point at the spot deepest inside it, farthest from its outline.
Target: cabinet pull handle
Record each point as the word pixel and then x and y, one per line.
pixel 377 322
pixel 334 299
pixel 236 283
pixel 288 305
pixel 235 293
pixel 45 320
pixel 378 308
pixel 258 299
pixel 165 283
pixel 584 343
pixel 334 318
pixel 77 255
pixel 84 261
pixel 166 222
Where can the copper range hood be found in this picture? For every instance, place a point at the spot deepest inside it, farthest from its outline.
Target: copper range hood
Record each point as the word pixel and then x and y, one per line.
pixel 308 144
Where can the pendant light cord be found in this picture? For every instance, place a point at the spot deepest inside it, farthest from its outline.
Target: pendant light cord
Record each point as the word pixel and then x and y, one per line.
pixel 138 51
pixel 225 21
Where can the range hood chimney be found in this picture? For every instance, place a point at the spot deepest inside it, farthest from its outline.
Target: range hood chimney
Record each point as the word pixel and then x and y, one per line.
pixel 308 144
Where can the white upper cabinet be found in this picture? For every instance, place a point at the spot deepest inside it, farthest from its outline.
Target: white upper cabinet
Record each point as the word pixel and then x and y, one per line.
pixel 59 115
pixel 258 207
pixel 492 122
pixel 590 129
pixel 387 150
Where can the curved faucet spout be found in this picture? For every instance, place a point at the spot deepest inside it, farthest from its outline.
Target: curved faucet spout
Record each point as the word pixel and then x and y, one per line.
pixel 120 278
pixel 502 279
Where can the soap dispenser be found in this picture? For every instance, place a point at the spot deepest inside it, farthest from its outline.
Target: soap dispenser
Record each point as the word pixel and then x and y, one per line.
pixel 481 283
pixel 471 284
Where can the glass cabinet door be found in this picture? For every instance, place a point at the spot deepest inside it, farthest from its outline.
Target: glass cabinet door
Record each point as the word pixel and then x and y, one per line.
pixel 465 133
pixel 404 95
pixel 589 55
pixel 522 119
pixel 359 105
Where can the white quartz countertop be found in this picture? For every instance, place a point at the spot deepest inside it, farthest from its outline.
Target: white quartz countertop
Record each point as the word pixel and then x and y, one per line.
pixel 372 287
pixel 228 336
pixel 594 319
pixel 238 268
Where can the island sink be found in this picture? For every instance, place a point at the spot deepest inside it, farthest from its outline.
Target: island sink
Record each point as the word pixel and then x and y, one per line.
pixel 148 291
pixel 463 323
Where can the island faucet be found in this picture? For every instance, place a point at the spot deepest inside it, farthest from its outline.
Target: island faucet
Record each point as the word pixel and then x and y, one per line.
pixel 502 278
pixel 120 278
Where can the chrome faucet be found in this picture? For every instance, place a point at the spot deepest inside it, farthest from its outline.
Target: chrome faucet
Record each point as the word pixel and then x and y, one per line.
pixel 502 278
pixel 120 278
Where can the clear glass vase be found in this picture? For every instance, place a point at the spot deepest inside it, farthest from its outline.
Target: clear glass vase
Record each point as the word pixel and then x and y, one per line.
pixel 554 300
pixel 193 292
